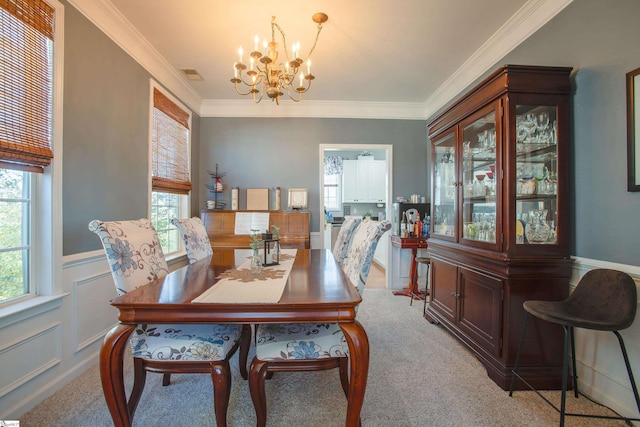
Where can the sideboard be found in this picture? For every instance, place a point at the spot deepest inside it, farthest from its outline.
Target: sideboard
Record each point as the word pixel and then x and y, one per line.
pixel 293 225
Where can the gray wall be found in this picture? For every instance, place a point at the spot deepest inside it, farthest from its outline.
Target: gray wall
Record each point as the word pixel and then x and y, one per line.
pixel 106 128
pixel 601 40
pixel 284 152
pixel 106 119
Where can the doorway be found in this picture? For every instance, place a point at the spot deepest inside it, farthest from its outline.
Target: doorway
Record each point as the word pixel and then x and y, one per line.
pixel 351 151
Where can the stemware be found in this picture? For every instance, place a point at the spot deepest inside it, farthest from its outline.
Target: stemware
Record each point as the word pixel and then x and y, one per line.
pixel 479 188
pixel 542 121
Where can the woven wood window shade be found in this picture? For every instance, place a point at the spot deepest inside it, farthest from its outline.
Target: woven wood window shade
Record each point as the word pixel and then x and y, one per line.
pixel 26 72
pixel 170 147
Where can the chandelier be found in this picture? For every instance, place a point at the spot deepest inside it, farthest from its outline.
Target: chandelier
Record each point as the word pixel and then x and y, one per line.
pixel 265 75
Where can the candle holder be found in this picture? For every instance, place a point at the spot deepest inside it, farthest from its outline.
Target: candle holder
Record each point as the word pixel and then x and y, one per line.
pixel 271 252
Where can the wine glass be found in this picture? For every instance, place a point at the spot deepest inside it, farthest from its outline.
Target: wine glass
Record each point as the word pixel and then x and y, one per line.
pixel 490 184
pixel 479 189
pixel 542 121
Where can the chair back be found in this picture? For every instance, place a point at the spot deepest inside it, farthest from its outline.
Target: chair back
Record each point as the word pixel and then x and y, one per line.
pixel 606 294
pixel 363 245
pixel 195 238
pixel 133 251
pixel 343 240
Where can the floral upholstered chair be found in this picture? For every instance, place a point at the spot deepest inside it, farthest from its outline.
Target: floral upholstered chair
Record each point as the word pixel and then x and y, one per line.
pixel 195 238
pixel 363 246
pixel 343 240
pixel 135 258
pixel 312 347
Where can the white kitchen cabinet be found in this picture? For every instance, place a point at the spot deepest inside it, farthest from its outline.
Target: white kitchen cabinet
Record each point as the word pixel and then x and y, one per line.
pixel 377 181
pixel 364 181
pixel 349 181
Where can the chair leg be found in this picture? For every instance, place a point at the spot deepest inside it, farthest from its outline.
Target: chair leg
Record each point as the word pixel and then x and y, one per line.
pixel 221 378
pixel 426 289
pixel 626 362
pixel 574 366
pixel 139 379
pixel 520 345
pixel 245 343
pixel 257 376
pixel 166 380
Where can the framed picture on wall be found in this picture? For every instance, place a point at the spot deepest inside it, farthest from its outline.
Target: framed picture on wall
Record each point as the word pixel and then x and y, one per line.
pixel 298 198
pixel 633 130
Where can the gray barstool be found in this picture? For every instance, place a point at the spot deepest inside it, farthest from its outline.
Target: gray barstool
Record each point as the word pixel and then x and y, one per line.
pixel 604 300
pixel 427 261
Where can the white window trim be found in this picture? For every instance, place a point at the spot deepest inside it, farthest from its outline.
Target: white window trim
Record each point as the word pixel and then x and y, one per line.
pixel 185 202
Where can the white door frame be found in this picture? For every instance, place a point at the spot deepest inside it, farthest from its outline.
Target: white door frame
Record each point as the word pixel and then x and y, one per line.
pixel 389 197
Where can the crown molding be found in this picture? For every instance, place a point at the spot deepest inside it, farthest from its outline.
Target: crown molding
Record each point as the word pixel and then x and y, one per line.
pixel 319 109
pixel 528 19
pixel 532 16
pixel 110 21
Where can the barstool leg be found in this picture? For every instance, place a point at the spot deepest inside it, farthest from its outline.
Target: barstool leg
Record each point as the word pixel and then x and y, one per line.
pixel 626 362
pixel 565 375
pixel 515 367
pixel 574 366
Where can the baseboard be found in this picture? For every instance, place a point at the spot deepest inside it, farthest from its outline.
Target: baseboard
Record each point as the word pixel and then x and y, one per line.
pixel 42 393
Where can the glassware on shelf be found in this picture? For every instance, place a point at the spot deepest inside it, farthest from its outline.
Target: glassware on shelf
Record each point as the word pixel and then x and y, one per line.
pixel 479 189
pixel 537 229
pixel 542 122
pixel 491 188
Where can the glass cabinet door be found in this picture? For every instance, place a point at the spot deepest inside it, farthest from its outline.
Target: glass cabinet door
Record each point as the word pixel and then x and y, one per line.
pixel 444 187
pixel 536 174
pixel 480 179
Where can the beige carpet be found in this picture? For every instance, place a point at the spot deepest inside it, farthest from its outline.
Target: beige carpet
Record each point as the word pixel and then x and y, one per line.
pixel 419 376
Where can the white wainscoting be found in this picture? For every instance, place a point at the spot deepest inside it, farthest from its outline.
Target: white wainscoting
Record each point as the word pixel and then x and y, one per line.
pixel 601 370
pixel 45 347
pixel 314 240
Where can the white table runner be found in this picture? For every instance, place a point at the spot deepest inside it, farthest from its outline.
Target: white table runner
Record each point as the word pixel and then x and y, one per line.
pixel 242 286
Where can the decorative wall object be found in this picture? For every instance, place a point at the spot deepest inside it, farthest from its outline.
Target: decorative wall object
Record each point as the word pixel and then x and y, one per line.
pixel 298 198
pixel 633 129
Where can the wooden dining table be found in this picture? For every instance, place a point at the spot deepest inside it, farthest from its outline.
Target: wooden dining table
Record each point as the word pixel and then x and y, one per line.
pixel 317 291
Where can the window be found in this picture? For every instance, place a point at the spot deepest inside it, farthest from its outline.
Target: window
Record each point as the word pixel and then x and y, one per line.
pixel 332 192
pixel 170 177
pixel 15 242
pixel 30 119
pixel 164 207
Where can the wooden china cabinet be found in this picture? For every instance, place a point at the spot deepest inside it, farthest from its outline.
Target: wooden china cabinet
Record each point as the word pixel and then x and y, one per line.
pixel 499 218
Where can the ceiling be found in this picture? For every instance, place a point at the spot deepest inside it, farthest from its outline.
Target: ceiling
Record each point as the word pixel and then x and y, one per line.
pixel 377 58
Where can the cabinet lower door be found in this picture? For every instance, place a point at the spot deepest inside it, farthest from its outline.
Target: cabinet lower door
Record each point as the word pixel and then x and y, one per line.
pixel 444 289
pixel 480 309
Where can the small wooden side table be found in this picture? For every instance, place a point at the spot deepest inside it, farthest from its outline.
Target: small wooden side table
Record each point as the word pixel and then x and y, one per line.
pixel 413 243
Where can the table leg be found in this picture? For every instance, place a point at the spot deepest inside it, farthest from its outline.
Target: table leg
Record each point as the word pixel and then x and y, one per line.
pixel 112 373
pixel 358 343
pixel 413 279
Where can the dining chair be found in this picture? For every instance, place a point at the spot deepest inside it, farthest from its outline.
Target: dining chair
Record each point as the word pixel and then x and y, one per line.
pixel 343 239
pixel 135 258
pixel 603 300
pixel 195 237
pixel 309 346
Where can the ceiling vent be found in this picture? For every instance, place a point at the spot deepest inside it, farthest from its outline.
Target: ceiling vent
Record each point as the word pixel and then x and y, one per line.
pixel 192 74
